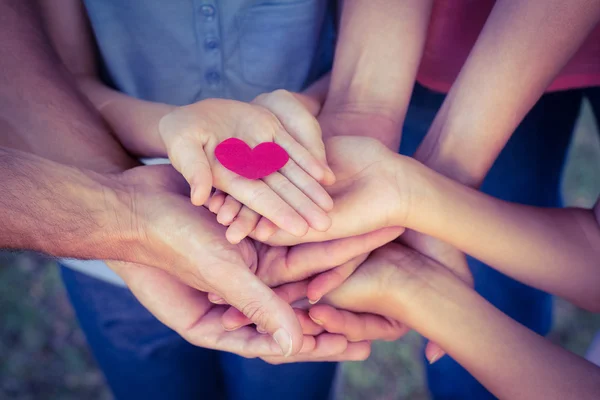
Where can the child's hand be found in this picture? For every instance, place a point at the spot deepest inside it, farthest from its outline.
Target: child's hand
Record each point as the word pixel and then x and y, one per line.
pixel 292 198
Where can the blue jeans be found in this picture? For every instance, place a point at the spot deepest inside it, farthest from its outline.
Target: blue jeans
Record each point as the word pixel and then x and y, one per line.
pixel 143 359
pixel 527 171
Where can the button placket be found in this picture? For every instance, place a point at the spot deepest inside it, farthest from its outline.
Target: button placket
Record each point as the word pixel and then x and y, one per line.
pixel 207 32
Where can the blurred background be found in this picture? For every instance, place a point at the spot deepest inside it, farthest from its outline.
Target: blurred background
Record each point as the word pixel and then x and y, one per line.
pixel 43 354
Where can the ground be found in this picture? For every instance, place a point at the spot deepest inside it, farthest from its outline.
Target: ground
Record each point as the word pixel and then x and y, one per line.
pixel 43 353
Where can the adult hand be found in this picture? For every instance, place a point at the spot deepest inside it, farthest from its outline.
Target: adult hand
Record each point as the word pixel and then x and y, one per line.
pixel 367 194
pixel 189 312
pixel 170 234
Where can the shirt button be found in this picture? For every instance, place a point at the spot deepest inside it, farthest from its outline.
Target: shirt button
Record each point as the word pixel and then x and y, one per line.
pixel 211 43
pixel 213 77
pixel 208 11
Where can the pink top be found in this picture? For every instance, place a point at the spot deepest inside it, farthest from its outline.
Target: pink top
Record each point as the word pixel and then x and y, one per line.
pixel 454 28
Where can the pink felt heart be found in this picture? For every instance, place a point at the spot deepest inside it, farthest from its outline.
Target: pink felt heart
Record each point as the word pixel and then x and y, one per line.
pixel 263 160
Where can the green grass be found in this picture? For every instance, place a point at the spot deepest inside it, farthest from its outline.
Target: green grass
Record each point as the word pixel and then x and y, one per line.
pixel 43 354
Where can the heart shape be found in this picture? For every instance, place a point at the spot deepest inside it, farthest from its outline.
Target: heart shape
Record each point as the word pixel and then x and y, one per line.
pixel 256 163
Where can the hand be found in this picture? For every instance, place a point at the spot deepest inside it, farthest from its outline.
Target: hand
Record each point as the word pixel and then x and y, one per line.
pixel 347 122
pixel 292 198
pixel 189 313
pixel 374 189
pixel 394 281
pixel 172 235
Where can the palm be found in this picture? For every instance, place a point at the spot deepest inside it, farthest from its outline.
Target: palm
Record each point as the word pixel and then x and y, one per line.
pixel 366 196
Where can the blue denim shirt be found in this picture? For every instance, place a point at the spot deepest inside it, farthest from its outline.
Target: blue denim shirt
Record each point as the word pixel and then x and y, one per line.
pixel 183 51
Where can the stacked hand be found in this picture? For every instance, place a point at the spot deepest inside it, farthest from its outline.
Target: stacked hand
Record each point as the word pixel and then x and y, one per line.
pixel 189 268
pixel 179 253
pixel 374 189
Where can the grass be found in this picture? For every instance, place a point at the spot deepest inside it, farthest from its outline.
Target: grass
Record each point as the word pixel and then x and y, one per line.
pixel 43 353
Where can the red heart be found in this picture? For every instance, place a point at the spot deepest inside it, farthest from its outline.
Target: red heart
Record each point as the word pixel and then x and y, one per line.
pixel 263 160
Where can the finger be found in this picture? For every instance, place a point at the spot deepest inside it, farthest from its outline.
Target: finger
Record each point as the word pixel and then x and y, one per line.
pixel 229 211
pixel 216 201
pixel 242 226
pixel 307 185
pixel 302 204
pixel 306 260
pixel 233 318
pixel 330 280
pixel 258 196
pixel 264 229
pixel 308 325
pixel 356 326
pixel 215 299
pixel 188 157
pixel 302 157
pixel 244 291
pixel 301 125
pixel 433 352
pixel 329 348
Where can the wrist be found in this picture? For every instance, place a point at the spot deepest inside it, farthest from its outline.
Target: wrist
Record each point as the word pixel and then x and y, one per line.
pixel 416 190
pixel 361 119
pixel 112 230
pixel 435 302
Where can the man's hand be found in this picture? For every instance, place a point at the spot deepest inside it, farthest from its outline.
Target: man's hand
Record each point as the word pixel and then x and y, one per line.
pixel 189 313
pixel 185 241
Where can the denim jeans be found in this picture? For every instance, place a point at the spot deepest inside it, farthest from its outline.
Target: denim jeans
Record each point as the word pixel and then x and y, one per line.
pixel 143 359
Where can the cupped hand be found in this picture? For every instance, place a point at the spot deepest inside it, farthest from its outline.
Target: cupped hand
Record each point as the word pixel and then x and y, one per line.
pixel 184 241
pixel 367 194
pixel 188 312
pixel 293 197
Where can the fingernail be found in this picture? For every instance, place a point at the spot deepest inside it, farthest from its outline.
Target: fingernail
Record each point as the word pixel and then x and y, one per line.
pixel 229 329
pixel 316 321
pixel 260 330
pixel 284 340
pixel 215 299
pixel 436 357
pixel 314 301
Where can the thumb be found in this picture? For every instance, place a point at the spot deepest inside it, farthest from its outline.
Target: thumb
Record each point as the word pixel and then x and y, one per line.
pixel 187 154
pixel 265 309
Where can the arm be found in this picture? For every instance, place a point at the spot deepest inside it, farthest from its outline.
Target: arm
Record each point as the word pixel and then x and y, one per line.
pixel 507 358
pixel 556 250
pixel 41 110
pixel 378 52
pixel 61 210
pixel 523 46
pixel 521 49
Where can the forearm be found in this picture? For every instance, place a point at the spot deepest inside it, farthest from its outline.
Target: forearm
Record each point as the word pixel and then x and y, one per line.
pixel 556 250
pixel 61 210
pixel 507 358
pixel 521 49
pixel 379 49
pixel 134 121
pixel 40 108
